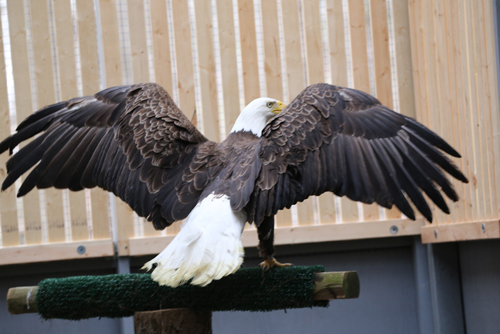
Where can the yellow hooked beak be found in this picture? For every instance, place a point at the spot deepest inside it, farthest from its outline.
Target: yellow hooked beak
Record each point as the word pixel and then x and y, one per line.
pixel 279 108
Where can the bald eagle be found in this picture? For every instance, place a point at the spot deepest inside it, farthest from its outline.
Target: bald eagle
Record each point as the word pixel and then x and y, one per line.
pixel 135 142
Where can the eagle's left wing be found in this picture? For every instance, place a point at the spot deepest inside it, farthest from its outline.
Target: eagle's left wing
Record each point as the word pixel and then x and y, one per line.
pixel 130 140
pixel 343 140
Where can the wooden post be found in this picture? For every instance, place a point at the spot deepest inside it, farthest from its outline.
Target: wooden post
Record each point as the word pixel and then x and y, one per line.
pixel 173 321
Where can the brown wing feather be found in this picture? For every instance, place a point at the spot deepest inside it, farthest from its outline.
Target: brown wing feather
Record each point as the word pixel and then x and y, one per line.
pixel 131 140
pixel 344 141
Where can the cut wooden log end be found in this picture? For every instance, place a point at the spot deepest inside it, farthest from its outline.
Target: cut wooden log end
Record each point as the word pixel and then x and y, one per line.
pixel 22 300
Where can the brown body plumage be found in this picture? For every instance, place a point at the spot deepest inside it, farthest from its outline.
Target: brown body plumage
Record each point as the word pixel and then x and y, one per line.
pixel 134 141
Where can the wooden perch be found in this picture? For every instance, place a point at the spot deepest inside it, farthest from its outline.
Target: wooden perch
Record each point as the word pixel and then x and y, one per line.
pixel 327 285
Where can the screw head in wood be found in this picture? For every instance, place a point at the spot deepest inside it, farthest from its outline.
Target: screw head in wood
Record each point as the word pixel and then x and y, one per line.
pixel 81 250
pixel 394 229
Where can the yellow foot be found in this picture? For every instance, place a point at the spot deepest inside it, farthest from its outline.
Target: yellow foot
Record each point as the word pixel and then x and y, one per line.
pixel 271 263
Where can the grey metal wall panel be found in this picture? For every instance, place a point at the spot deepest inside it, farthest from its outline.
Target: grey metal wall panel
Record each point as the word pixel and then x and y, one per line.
pixel 480 268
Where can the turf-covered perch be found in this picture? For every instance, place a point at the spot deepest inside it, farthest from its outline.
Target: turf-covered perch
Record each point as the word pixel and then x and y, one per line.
pixel 121 295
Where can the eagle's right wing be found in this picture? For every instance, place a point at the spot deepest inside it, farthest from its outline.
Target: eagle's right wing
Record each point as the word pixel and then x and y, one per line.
pixel 131 140
pixel 345 141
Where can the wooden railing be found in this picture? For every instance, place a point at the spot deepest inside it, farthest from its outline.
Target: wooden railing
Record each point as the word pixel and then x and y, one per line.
pixel 435 62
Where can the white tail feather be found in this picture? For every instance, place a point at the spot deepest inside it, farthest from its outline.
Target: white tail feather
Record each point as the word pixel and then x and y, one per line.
pixel 207 248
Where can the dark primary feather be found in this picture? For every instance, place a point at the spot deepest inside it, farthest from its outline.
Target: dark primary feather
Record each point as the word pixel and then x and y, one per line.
pixel 343 140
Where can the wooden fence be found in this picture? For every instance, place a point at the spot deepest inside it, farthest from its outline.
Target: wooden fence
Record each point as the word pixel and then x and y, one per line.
pixel 433 60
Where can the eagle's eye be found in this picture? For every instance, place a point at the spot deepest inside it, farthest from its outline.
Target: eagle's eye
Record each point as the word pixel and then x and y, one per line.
pixel 270 104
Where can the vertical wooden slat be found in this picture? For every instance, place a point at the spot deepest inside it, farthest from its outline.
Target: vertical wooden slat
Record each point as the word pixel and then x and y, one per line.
pixel 336 41
pixel 417 56
pixel 88 46
pixel 382 58
pixel 272 68
pixel 315 73
pixel 24 107
pixel 466 101
pixel 338 67
pixel 358 45
pixel 114 76
pixel 451 38
pixel 138 45
pixel 68 89
pixel 404 68
pixel 206 68
pixel 8 210
pixel 90 84
pixel 248 44
pixel 494 107
pixel 381 55
pixel 111 43
pixel 418 60
pixel 431 83
pixel 294 68
pixel 272 51
pixel 184 57
pixel 445 64
pixel 460 105
pixel 403 50
pixel 227 45
pixel 360 63
pixel 473 135
pixel 293 56
pixel 44 77
pixel 161 44
pixel 313 42
pixel 184 62
pixel 140 64
pixel 361 78
pixel 483 108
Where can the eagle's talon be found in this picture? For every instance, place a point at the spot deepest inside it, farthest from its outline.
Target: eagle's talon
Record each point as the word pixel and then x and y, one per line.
pixel 271 263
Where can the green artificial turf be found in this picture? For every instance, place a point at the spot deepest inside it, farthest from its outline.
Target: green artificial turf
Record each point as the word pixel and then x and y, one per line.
pixel 249 289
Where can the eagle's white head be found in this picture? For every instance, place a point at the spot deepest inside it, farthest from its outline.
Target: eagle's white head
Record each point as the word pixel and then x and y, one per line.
pixel 255 115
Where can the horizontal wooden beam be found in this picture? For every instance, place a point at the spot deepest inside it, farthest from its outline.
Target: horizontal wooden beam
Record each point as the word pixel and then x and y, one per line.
pixel 56 251
pixel 461 231
pixel 301 234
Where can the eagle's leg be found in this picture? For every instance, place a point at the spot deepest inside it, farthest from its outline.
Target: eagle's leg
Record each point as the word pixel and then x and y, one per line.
pixel 266 244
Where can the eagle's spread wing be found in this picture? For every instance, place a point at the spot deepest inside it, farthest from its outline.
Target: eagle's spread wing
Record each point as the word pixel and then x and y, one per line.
pixel 131 140
pixel 344 141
